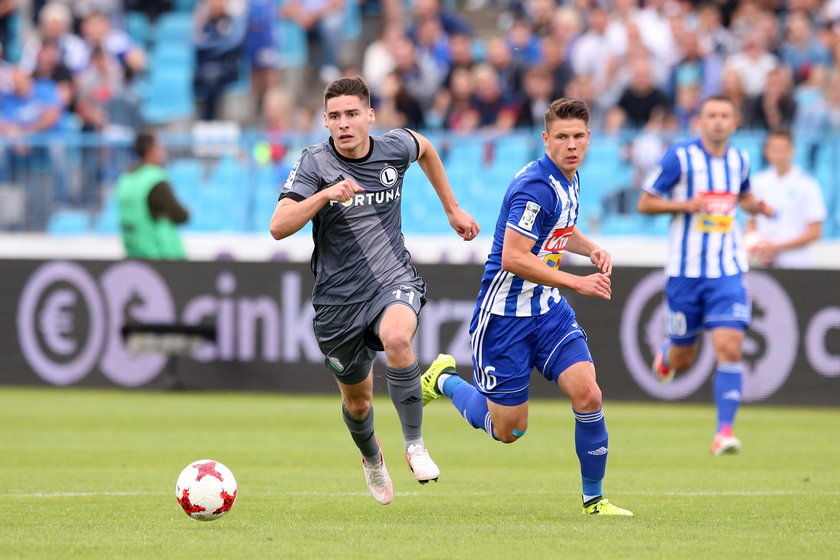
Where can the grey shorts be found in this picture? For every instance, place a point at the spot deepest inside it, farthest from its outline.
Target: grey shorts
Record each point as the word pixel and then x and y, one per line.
pixel 348 335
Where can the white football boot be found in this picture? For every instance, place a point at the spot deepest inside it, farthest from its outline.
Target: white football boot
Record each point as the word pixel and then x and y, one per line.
pixel 421 464
pixel 379 481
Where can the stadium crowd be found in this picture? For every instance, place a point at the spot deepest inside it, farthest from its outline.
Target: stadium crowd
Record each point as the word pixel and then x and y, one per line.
pixel 637 64
pixel 641 65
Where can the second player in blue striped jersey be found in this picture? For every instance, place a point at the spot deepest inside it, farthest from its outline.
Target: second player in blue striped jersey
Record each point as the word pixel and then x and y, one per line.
pixel 541 204
pixel 700 183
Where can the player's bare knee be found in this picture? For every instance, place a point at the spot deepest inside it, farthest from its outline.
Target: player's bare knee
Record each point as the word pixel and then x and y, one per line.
pixel 395 342
pixel 358 407
pixel 588 399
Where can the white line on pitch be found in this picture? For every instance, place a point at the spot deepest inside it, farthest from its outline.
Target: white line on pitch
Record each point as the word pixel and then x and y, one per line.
pixel 710 493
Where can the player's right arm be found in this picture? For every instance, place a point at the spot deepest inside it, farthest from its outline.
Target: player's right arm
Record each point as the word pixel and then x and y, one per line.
pixel 302 197
pixel 518 259
pixel 659 186
pixel 291 215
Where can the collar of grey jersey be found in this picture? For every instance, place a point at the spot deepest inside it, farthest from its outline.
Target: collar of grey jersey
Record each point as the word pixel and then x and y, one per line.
pixel 362 159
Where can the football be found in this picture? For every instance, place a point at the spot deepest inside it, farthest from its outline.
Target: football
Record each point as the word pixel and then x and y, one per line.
pixel 206 490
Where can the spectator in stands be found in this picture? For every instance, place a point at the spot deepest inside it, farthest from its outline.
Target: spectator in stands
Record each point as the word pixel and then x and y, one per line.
pixel 460 55
pixel 396 107
pixel 48 66
pixel 784 239
pixel 555 61
pixel 54 24
pixel 378 58
pixel 147 206
pixel 753 63
pixel 567 25
pixel 261 51
pixel 524 44
pixel 459 113
pixel 802 50
pixel 497 109
pixel 774 107
pixel 622 14
pixel 97 32
pixel 430 9
pixel 218 35
pixel 433 42
pixel 104 100
pixel 641 97
pixel 732 87
pixel 696 66
pixel 418 72
pixel 687 105
pixel 323 21
pixel 593 54
pixel 654 21
pixel 582 87
pixel 540 16
pixel 713 35
pixel 539 89
pixel 31 107
pixel 509 70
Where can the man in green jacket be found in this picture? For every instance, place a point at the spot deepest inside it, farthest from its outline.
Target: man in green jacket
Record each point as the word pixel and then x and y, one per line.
pixel 148 207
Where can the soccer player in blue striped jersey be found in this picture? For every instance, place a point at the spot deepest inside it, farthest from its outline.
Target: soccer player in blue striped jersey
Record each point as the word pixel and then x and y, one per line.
pixel 700 182
pixel 521 320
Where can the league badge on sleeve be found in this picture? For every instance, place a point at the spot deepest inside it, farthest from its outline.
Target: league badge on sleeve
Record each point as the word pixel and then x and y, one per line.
pixel 526 222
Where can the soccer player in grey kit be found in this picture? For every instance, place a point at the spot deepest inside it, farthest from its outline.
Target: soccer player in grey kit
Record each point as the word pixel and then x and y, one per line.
pixel 367 296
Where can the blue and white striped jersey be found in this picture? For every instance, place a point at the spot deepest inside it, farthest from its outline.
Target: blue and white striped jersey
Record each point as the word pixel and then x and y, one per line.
pixel 705 244
pixel 542 204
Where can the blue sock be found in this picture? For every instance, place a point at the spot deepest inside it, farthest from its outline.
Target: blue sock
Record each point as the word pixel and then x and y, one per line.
pixel 591 443
pixel 727 391
pixel 470 403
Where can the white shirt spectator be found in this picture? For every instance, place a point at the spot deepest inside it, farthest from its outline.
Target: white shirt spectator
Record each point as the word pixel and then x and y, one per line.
pixel 798 202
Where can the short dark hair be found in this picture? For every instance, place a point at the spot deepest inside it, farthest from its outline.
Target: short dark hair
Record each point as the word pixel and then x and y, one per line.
pixel 779 133
pixel 144 142
pixel 348 86
pixel 566 108
pixel 718 97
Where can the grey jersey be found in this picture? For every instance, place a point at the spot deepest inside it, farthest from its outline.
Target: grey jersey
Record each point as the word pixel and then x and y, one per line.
pixel 359 245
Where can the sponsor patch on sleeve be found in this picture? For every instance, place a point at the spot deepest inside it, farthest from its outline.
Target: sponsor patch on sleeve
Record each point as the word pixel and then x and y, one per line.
pixel 526 222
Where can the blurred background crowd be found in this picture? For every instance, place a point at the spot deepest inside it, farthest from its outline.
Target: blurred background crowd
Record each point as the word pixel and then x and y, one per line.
pixel 235 88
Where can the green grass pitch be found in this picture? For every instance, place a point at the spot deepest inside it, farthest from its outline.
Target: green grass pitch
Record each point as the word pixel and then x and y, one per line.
pixel 91 474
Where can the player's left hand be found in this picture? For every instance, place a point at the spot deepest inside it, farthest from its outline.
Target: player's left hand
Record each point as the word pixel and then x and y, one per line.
pixel 463 224
pixel 602 259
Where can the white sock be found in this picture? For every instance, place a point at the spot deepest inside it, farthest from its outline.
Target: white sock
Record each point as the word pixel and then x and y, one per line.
pixel 441 378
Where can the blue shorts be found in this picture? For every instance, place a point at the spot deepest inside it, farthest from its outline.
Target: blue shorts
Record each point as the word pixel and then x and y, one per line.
pixel 698 304
pixel 507 349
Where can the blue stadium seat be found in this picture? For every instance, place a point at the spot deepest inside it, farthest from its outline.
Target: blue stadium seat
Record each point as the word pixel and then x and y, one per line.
pixel 185 175
pixel 174 55
pixel 174 26
pixel 68 222
pixel 108 218
pixel 170 96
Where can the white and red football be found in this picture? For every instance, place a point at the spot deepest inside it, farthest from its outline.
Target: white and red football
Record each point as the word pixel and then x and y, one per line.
pixel 206 490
